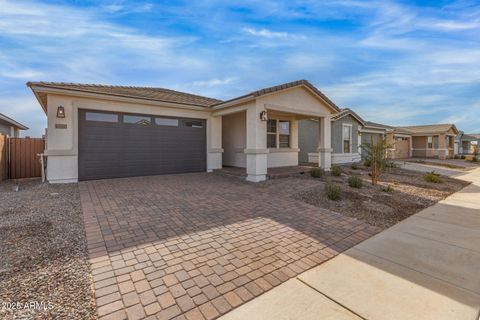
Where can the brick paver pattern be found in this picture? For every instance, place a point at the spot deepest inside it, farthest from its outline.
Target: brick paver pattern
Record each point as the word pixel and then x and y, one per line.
pixel 195 246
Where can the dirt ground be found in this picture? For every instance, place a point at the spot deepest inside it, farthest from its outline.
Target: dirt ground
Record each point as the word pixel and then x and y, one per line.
pixel 44 272
pixel 411 193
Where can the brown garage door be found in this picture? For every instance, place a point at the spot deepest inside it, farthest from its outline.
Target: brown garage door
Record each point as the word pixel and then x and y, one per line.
pixel 115 145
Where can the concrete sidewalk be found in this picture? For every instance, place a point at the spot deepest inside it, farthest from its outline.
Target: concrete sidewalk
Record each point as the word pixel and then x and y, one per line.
pixel 426 267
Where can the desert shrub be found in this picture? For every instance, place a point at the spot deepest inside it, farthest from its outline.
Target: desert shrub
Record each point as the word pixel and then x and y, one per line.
pixel 336 171
pixel 333 191
pixel 367 162
pixel 378 156
pixel 390 164
pixel 456 156
pixel 475 159
pixel 355 182
pixel 432 177
pixel 354 166
pixel 386 188
pixel 317 172
pixel 462 157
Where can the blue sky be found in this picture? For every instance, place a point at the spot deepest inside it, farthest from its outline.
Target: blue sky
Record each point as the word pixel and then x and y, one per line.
pixel 395 62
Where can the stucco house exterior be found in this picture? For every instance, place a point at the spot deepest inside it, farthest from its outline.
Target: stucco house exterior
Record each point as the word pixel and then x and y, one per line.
pixel 346 142
pixel 423 141
pixel 464 143
pixel 10 127
pixel 96 131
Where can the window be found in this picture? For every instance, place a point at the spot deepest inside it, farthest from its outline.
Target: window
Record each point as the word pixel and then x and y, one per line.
pixel 430 142
pixel 347 139
pixel 166 122
pixel 284 134
pixel 271 133
pixel 101 117
pixel 142 120
pixel 193 123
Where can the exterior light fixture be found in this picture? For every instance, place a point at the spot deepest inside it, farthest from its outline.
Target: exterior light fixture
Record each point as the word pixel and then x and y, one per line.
pixel 60 112
pixel 264 116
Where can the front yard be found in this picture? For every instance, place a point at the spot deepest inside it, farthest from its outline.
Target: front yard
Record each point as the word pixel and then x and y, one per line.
pixel 193 244
pixel 399 194
pixel 43 261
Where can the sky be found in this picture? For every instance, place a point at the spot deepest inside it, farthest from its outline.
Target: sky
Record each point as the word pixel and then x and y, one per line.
pixel 393 62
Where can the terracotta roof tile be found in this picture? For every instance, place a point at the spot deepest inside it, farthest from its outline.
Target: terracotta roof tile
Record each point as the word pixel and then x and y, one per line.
pixel 149 93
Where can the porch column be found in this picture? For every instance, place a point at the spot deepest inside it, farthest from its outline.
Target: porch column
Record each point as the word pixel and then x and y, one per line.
pixel 214 143
pixel 442 146
pixel 325 143
pixel 256 150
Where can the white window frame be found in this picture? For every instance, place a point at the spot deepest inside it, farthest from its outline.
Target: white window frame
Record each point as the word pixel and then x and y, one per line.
pixel 350 138
pixel 429 138
pixel 277 133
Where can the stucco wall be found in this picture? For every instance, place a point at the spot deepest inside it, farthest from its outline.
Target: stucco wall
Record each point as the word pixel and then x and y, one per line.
pixel 337 134
pixel 62 150
pixel 366 138
pixel 234 140
pixel 5 128
pixel 419 142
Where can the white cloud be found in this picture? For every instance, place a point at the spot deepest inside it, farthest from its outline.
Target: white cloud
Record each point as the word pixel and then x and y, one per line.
pixel 214 82
pixel 268 33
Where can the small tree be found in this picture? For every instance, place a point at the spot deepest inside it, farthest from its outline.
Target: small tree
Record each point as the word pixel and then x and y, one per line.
pixel 377 155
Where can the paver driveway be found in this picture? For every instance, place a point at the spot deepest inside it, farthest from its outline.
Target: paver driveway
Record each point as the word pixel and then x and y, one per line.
pixel 195 246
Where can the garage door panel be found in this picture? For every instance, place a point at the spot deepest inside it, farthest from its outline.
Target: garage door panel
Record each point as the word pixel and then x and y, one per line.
pixel 111 150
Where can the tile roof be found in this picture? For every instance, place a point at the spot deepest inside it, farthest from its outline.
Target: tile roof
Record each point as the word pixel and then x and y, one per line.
pixel 432 128
pixel 346 111
pixel 261 92
pixel 12 122
pixel 371 124
pixel 148 93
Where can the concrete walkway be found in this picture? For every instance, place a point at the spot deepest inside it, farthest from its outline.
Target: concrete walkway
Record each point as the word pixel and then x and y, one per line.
pixel 426 267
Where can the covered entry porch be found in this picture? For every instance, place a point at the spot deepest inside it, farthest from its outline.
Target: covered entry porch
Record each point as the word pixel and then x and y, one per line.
pixel 261 133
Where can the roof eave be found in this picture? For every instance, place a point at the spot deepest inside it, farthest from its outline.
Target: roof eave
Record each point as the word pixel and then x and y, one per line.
pixel 89 94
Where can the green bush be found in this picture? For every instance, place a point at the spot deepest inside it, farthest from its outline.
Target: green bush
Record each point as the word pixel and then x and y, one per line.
pixel 354 166
pixel 367 162
pixel 391 164
pixel 317 172
pixel 336 171
pixel 386 188
pixel 355 182
pixel 333 191
pixel 432 177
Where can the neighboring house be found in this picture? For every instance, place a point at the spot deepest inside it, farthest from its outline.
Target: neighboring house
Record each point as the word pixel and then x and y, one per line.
pixel 424 141
pixel 99 131
pixel 10 127
pixel 373 131
pixel 464 142
pixel 345 134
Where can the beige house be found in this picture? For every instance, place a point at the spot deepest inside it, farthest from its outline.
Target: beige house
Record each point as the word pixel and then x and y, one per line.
pixel 96 132
pixel 424 141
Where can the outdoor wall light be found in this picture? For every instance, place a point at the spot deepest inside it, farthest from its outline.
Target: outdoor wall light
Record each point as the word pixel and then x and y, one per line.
pixel 264 116
pixel 60 112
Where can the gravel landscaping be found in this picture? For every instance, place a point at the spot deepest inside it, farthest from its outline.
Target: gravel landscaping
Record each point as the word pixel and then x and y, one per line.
pixel 411 193
pixel 44 272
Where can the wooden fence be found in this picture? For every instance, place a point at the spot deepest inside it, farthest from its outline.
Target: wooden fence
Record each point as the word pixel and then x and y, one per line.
pixel 19 157
pixel 3 157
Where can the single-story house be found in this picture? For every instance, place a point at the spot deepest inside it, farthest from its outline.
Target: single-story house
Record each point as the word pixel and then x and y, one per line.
pixel 424 141
pixel 345 133
pixel 10 127
pixel 97 131
pixel 464 143
pixel 373 131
